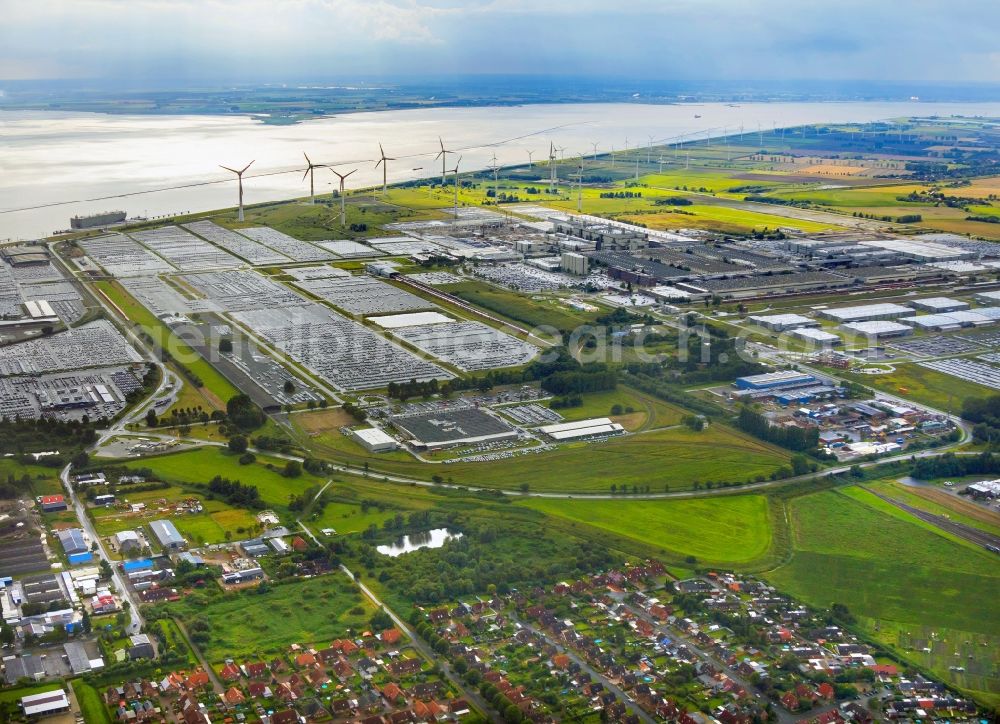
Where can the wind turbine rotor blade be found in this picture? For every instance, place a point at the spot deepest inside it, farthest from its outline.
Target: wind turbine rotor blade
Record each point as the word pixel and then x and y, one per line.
pixel 306 173
pixel 232 170
pixel 350 172
pixel 247 166
pixel 307 158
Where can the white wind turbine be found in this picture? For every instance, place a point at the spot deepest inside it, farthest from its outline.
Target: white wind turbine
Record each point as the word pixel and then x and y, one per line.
pixel 239 176
pixel 343 209
pixel 310 169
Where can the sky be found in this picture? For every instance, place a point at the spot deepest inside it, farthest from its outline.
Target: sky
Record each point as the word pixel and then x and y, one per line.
pixel 274 40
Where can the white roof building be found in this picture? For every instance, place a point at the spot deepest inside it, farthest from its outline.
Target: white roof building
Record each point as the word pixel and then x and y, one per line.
pixel 374 439
pixel 49 702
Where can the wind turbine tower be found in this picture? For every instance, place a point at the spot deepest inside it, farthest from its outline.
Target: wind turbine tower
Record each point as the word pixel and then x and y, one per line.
pixel 239 176
pixel 595 150
pixel 530 154
pixel 455 171
pixel 343 209
pixel 553 173
pixel 310 172
pixel 383 162
pixel 442 154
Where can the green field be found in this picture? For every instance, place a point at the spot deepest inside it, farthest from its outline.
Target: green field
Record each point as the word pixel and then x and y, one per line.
pixel 519 307
pixel 729 529
pixel 91 705
pixel 675 457
pixel 201 465
pixel 207 527
pixel 889 571
pixel 44 481
pixel 248 623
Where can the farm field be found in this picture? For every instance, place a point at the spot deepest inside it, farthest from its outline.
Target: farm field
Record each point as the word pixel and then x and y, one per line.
pixel 648 412
pixel 249 623
pixel 723 219
pixel 914 576
pixel 726 530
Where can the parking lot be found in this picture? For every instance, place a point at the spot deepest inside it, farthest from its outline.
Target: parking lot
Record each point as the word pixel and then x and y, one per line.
pixel 468 346
pixel 363 295
pixel 123 257
pixel 523 278
pixel 95 343
pixel 254 252
pixel 185 250
pixel 287 245
pixel 964 369
pixel 936 345
pixel 344 353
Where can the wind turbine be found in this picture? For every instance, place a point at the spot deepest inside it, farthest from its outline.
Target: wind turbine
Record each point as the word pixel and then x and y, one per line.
pixel 649 150
pixel 530 154
pixel 310 173
pixel 442 154
pixel 661 163
pixel 455 171
pixel 595 150
pixel 383 162
pixel 496 183
pixel 343 211
pixel 612 156
pixel 239 176
pixel 579 186
pixel 553 172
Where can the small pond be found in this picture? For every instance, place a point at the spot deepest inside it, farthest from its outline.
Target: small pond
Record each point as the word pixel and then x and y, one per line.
pixel 414 541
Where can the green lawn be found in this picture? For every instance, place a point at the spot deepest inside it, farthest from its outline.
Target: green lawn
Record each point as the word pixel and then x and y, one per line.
pixel 202 464
pixel 91 705
pixel 44 481
pixel 720 530
pixel 248 623
pixel 889 571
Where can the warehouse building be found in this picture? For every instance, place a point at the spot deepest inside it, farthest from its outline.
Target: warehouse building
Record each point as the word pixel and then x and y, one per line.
pixel 987 297
pixel 374 440
pixel 127 540
pixel 44 704
pixel 167 534
pixel 938 305
pixel 72 541
pixel 867 313
pixel 773 380
pixel 877 329
pixel 582 429
pixel 782 322
pixel 52 503
pixel 573 263
pixel 816 336
pixel 447 428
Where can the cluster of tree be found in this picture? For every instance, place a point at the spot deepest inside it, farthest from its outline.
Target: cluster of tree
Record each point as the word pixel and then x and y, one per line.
pixel 712 358
pixel 950 465
pixel 903 219
pixel 621 316
pixel 14 487
pixel 562 403
pixel 511 554
pixel 243 413
pixel 503 197
pixel 984 219
pixel 359 228
pixel 405 390
pixel 985 412
pixel 164 355
pixel 648 378
pixel 355 411
pixel 673 201
pixel 19 436
pixel 591 378
pixel 622 195
pixel 792 438
pixel 273 443
pixel 150 379
pixel 759 199
pixel 235 493
pixel 436 260
pixel 182 417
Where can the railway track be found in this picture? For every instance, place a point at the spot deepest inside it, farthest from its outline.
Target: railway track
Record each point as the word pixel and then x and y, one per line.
pixel 966 532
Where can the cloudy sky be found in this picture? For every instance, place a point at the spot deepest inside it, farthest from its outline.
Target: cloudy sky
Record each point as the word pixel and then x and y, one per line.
pixel 266 40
